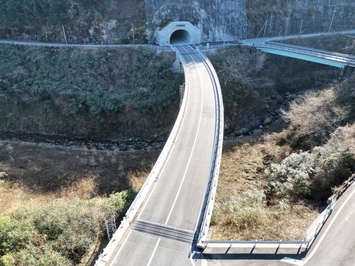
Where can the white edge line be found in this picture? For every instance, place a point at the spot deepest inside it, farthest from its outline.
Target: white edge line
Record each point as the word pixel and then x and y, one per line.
pixel 154 251
pixel 328 228
pixel 193 146
pixel 119 251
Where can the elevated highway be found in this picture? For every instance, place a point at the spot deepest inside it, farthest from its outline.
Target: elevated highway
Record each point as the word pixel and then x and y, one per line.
pixel 166 226
pixel 270 45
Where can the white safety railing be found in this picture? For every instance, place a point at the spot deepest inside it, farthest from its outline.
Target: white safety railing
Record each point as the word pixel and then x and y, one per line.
pixel 151 179
pixel 313 232
pixel 226 247
pixel 211 188
pixel 333 56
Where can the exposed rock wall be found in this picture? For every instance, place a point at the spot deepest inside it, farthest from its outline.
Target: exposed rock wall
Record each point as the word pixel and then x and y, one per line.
pixel 122 21
pixel 218 20
pixel 227 20
pixel 281 17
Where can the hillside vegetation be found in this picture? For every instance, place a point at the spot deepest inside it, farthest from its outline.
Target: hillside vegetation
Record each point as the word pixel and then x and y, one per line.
pixel 82 21
pixel 273 183
pixel 59 233
pixel 54 200
pixel 275 178
pixel 112 93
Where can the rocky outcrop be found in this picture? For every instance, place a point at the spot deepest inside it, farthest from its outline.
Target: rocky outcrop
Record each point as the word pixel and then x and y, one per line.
pixel 218 20
pixel 127 21
pixel 227 20
pixel 279 18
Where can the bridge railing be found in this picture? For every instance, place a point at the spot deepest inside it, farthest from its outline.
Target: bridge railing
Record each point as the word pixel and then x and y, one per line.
pixel 211 188
pixel 148 184
pixel 249 247
pixel 338 57
pixel 305 244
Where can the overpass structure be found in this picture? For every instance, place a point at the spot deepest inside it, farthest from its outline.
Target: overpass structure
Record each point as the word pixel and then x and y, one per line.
pixel 172 211
pixel 269 45
pixel 170 215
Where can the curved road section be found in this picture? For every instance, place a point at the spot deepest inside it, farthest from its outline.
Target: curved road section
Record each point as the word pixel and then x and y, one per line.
pixel 269 45
pixel 166 225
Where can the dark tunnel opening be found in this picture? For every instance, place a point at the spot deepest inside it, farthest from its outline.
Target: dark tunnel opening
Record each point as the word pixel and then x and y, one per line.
pixel 180 36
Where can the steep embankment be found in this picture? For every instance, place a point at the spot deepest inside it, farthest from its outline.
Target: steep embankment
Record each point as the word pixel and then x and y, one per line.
pixel 279 18
pixel 73 21
pixel 116 93
pixel 255 197
pixel 122 21
pixel 276 178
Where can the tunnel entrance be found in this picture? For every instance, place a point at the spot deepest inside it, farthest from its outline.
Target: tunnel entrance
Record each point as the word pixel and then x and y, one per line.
pixel 178 32
pixel 180 36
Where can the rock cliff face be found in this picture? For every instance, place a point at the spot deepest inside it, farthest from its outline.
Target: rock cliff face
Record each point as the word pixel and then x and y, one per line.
pixel 280 17
pixel 227 20
pixel 127 21
pixel 218 20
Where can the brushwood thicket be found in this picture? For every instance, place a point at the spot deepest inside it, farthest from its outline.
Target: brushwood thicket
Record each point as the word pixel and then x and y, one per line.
pixel 89 92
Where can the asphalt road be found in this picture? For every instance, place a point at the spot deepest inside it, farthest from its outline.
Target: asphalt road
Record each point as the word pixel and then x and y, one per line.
pixel 164 228
pixel 300 52
pixel 335 246
pixel 259 41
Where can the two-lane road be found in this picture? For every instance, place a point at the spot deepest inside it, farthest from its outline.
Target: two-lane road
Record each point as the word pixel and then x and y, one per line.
pixel 164 228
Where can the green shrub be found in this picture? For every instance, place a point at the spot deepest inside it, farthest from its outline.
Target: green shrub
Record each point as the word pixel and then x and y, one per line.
pixel 6 226
pixel 70 90
pixel 313 174
pixel 60 233
pixel 291 176
pixel 40 256
pixel 7 260
pixel 243 212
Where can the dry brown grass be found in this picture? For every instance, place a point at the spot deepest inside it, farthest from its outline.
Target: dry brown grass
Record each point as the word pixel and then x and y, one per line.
pixel 38 174
pixel 316 111
pixel 240 167
pixel 241 211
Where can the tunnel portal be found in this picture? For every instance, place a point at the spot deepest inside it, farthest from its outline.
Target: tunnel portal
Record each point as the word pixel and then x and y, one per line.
pixel 178 32
pixel 180 36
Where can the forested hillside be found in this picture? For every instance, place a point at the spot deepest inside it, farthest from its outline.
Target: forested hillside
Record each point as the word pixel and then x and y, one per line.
pixel 78 21
pixel 114 93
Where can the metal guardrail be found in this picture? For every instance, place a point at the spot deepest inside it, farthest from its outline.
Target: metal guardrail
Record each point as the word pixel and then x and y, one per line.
pixel 303 243
pixel 59 45
pixel 333 56
pixel 257 242
pixel 321 223
pixel 226 246
pixel 138 201
pixel 211 188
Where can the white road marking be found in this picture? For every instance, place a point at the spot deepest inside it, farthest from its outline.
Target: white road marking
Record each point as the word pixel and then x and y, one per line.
pixel 204 262
pixel 155 249
pixel 171 152
pixel 186 169
pixel 192 150
pixel 119 251
pixel 328 228
pixel 292 261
